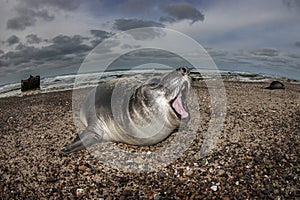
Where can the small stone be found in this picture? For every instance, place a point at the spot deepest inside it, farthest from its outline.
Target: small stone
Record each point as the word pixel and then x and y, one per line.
pixel 156 197
pixel 189 172
pixel 206 162
pixel 237 183
pixel 79 192
pixel 129 162
pixel 214 188
pixel 51 180
pixel 122 198
pixel 161 174
pixel 127 193
pixel 175 172
pixel 222 162
pixel 81 168
pixel 221 172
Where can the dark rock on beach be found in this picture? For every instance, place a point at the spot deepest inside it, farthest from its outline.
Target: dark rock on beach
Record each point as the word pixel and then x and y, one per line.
pixel 275 85
pixel 32 83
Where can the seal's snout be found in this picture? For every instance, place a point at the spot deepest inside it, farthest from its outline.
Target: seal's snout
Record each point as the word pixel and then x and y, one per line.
pixel 184 70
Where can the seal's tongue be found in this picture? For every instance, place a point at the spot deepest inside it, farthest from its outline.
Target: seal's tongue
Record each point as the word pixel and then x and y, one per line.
pixel 178 106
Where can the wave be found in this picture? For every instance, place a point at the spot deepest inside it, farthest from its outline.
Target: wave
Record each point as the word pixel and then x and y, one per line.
pixel 77 81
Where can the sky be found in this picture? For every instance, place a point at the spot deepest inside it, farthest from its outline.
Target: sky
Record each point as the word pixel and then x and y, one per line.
pixel 53 37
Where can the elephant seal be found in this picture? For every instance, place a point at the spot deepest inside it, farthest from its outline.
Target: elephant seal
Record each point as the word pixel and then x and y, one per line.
pixel 275 85
pixel 133 112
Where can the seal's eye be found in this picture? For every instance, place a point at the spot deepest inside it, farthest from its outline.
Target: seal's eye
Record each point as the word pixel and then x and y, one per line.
pixel 153 81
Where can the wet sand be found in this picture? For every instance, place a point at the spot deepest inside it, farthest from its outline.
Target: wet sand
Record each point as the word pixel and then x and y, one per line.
pixel 257 155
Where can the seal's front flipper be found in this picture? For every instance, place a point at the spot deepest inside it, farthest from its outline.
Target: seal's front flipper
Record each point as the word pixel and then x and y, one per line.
pixel 82 140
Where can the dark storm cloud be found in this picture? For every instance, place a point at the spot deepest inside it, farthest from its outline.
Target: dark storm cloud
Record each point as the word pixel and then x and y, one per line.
pixel 20 46
pixel 62 46
pixel 181 11
pixel 33 39
pixel 20 23
pixel 67 40
pixel 12 40
pixel 27 17
pixel 31 11
pixel 43 14
pixel 127 24
pixel 68 45
pixel 99 35
pixel 297 43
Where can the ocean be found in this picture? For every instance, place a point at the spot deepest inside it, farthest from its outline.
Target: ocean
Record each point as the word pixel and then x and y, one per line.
pixel 77 81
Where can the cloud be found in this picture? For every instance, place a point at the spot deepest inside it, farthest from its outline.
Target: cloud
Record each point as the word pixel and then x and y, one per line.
pixel 64 5
pixel 135 6
pixel 127 24
pixel 292 4
pixel 33 39
pixel 273 59
pixel 181 11
pixel 167 19
pixel 1 52
pixel 100 35
pixel 147 33
pixel 216 52
pixel 27 17
pixel 266 52
pixel 265 55
pixel 297 43
pixel 12 40
pixel 68 45
pixel 61 46
pixel 62 55
pixel 20 23
pixel 293 55
pixel 31 11
pixel 146 56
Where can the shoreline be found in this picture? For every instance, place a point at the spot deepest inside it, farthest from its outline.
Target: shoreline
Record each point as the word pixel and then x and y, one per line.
pixel 68 82
pixel 257 155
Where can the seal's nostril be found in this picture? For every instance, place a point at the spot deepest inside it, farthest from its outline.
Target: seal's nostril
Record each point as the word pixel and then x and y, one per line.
pixel 184 70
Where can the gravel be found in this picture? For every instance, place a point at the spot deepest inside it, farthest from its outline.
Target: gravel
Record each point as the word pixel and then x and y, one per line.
pixel 257 155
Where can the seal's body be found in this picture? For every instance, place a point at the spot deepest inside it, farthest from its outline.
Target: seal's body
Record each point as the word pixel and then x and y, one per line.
pixel 133 112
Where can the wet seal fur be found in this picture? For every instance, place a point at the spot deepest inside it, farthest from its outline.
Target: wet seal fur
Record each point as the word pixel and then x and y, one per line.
pixel 129 111
pixel 276 85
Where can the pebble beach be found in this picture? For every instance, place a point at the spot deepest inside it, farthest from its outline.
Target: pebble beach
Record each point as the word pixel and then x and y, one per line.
pixel 257 155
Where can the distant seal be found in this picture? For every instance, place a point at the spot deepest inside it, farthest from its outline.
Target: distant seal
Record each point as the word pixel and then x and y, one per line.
pixel 133 112
pixel 276 85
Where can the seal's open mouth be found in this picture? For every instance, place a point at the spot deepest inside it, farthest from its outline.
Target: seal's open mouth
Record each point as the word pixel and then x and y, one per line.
pixel 179 104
